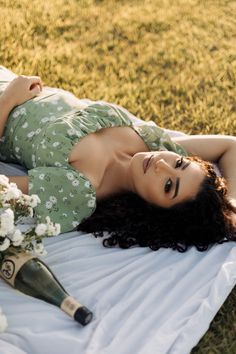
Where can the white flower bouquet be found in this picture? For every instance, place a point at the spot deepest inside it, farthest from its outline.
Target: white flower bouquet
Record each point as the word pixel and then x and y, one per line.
pixel 17 226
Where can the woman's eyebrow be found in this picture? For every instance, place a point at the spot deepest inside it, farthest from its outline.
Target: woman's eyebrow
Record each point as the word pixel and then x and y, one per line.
pixel 178 180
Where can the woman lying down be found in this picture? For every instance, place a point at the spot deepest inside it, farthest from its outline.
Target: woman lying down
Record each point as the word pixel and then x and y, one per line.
pixel 95 171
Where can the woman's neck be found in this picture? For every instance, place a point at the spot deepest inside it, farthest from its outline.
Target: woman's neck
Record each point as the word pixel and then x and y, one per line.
pixel 116 178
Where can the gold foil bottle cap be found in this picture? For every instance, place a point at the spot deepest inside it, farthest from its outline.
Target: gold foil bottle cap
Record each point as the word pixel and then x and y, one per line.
pixel 74 309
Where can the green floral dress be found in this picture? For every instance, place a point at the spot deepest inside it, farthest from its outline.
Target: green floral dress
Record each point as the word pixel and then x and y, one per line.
pixel 40 135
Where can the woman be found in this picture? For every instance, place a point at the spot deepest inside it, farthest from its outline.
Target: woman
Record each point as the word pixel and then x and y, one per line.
pixel 148 191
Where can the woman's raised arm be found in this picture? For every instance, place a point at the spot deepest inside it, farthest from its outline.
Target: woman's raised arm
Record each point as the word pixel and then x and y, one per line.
pixel 215 148
pixel 20 90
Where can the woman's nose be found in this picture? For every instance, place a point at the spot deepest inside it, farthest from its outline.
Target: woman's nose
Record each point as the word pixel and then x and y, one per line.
pixel 163 165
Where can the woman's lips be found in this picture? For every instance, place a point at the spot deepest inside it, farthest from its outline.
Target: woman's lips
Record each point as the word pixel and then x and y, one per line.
pixel 146 163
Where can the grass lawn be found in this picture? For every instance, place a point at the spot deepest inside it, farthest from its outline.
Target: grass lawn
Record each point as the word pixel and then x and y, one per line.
pixel 172 61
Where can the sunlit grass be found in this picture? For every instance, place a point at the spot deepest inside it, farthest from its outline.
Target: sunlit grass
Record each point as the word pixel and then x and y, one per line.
pixel 172 61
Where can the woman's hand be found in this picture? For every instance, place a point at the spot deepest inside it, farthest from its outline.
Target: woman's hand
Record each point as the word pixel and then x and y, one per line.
pixel 22 89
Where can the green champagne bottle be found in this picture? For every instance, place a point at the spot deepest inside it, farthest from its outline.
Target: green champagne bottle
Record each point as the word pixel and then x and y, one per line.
pixel 31 276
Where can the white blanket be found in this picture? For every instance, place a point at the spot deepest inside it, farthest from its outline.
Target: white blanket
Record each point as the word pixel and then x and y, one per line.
pixel 144 302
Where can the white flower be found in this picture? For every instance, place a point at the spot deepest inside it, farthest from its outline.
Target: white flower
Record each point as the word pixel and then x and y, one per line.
pixel 38 131
pixel 58 164
pixel 25 199
pixel 31 134
pixel 4 180
pixel 52 230
pixel 31 212
pixel 57 229
pixel 30 185
pixel 59 108
pixel 70 176
pixel 41 176
pixel 25 125
pixel 111 112
pixel 45 120
pixel 87 184
pixel 17 238
pixel 56 143
pixel 6 222
pixel 34 200
pixel 48 204
pixel 75 183
pixel 70 132
pixel 91 203
pixel 15 235
pixel 16 114
pixel 75 223
pixel 23 110
pixel 60 190
pixel 41 229
pixel 53 199
pixel 12 193
pixel 39 249
pixel 6 243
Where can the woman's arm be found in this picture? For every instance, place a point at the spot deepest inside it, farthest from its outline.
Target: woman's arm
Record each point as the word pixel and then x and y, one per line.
pixel 215 148
pixel 21 89
pixel 5 109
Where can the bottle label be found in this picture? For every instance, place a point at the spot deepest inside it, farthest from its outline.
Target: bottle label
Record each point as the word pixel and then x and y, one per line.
pixel 70 305
pixel 11 265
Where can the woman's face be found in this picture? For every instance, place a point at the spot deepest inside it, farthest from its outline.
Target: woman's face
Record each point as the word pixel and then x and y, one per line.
pixel 165 178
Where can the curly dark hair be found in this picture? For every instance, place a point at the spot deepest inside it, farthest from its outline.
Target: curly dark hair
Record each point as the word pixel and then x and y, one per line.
pixel 200 222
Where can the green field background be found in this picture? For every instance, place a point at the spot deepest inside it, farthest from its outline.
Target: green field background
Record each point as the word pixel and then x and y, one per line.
pixel 171 61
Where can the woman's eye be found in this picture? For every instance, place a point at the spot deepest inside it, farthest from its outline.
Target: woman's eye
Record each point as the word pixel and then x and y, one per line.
pixel 168 185
pixel 179 162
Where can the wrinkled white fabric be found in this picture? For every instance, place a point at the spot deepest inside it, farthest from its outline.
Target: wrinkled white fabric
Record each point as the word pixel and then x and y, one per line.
pixel 143 301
